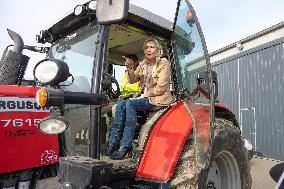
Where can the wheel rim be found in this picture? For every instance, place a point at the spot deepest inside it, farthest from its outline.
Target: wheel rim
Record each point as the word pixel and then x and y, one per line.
pixel 224 172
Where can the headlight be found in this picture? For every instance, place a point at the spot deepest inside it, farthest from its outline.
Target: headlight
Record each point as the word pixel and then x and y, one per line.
pixel 53 125
pixel 51 72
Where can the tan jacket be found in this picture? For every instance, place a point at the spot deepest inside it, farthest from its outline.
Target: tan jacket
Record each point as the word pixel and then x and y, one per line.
pixel 159 84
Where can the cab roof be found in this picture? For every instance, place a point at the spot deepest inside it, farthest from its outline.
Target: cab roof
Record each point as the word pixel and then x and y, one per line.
pixel 137 16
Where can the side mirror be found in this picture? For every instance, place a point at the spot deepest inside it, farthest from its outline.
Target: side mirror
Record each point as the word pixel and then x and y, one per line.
pixel 111 11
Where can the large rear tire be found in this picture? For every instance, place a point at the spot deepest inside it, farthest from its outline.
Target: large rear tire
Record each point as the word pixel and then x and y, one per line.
pixel 229 166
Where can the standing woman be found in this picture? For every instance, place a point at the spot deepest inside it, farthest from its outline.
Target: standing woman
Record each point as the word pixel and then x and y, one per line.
pixel 154 75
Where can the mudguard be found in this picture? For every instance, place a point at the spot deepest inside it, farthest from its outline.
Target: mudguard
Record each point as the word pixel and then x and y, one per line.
pixel 165 144
pixel 167 138
pixel 22 145
pixel 201 132
pixel 222 111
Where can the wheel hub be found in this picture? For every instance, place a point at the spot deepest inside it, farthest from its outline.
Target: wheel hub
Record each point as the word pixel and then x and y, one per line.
pixel 224 172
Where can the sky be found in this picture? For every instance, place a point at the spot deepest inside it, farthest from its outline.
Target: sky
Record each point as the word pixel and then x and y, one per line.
pixel 223 21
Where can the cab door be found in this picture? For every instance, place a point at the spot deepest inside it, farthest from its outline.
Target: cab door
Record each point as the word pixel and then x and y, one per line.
pixel 189 46
pixel 190 58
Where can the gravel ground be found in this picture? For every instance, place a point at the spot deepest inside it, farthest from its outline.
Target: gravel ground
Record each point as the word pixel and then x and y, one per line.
pixel 260 173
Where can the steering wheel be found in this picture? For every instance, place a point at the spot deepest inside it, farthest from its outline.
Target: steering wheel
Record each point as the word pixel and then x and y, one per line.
pixel 110 86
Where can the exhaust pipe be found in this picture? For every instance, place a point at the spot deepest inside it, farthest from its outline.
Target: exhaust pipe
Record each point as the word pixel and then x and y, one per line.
pixel 18 41
pixel 13 63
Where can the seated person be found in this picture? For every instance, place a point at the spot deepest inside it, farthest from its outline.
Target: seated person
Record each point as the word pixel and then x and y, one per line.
pixel 154 74
pixel 128 89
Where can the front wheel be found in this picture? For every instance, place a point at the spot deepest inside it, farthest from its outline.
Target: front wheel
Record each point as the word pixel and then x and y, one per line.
pixel 229 167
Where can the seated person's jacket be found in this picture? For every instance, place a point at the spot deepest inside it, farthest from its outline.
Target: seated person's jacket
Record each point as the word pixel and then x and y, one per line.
pixel 159 93
pixel 127 89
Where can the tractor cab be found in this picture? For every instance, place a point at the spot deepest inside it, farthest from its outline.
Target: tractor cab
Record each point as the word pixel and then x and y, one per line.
pixel 93 53
pixel 78 46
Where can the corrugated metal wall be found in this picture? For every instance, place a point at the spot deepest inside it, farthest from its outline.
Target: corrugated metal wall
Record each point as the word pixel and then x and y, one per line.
pixel 251 83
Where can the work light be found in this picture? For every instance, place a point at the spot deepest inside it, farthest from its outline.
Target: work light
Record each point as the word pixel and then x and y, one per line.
pixel 51 72
pixel 92 5
pixel 79 9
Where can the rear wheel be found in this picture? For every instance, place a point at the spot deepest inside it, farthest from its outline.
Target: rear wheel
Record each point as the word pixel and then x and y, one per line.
pixel 229 166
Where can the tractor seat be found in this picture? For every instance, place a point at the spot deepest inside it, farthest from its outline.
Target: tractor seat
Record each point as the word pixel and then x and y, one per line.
pixel 143 116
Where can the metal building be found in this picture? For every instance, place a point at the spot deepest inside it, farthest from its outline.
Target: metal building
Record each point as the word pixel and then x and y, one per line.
pixel 251 83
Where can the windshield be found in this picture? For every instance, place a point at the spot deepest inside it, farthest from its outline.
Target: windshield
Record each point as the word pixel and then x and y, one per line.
pixel 78 51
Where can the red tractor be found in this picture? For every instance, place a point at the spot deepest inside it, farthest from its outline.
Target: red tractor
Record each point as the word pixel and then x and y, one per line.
pixel 192 143
pixel 26 153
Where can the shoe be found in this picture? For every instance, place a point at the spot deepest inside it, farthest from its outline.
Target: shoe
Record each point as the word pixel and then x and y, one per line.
pixel 121 153
pixel 110 149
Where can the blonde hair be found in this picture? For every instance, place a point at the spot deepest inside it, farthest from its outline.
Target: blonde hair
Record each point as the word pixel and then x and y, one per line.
pixel 157 44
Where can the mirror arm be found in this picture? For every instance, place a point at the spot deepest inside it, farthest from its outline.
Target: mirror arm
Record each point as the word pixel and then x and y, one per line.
pixel 197 89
